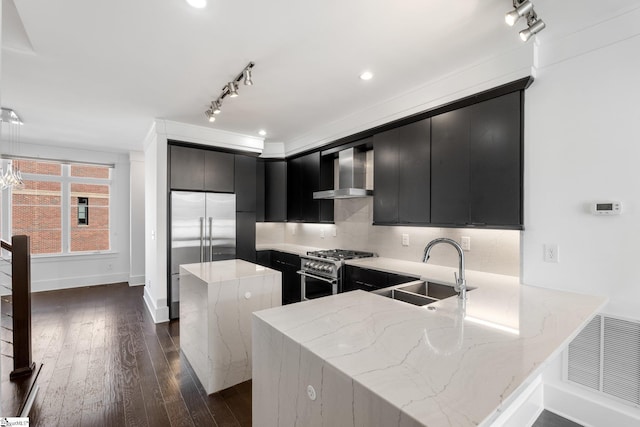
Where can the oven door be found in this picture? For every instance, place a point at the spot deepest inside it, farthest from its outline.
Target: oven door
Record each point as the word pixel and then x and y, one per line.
pixel 314 286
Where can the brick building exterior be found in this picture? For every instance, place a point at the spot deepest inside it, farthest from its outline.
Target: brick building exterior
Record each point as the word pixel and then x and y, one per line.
pixel 37 209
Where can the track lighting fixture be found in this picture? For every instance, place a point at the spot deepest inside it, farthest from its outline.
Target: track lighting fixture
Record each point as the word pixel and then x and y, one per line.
pixel 525 8
pixel 247 77
pixel 230 90
pixel 512 17
pixel 535 26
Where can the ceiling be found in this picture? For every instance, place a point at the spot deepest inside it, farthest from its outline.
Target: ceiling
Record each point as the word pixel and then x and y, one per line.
pixel 96 74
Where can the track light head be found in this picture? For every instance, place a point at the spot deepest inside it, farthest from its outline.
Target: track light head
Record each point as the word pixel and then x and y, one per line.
pixel 232 89
pixel 210 116
pixel 521 9
pixel 535 26
pixel 247 77
pixel 216 107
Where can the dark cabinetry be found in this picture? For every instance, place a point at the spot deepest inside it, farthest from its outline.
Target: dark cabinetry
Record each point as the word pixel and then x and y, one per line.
pixel 476 175
pixel 402 174
pixel 201 170
pixel 370 280
pixel 245 183
pixel 288 265
pixel 246 236
pixel 272 190
pixel 303 178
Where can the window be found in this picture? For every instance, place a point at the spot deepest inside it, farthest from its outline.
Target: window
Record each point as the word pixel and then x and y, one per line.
pixel 55 206
pixel 83 211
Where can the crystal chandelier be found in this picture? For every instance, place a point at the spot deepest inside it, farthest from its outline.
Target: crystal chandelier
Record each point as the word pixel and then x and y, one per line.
pixel 10 135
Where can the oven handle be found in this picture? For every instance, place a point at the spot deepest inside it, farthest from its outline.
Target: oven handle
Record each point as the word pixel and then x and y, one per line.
pixel 313 276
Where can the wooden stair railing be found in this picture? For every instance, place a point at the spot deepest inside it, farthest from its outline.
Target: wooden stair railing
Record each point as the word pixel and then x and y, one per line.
pixel 20 248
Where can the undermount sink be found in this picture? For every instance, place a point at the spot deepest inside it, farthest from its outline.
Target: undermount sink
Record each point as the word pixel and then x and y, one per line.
pixel 419 292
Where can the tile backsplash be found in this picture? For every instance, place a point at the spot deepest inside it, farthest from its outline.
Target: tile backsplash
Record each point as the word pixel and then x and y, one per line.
pixel 493 251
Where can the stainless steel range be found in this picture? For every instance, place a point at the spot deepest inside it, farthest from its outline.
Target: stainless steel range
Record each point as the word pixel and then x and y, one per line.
pixel 321 272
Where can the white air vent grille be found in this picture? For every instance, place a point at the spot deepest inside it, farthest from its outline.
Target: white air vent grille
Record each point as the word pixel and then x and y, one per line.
pixel 584 355
pixel 605 356
pixel 621 368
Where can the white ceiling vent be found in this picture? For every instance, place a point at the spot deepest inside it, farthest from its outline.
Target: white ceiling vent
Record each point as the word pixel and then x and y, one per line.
pixel 605 356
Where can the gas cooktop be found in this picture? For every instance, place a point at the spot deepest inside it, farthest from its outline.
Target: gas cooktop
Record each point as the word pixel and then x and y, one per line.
pixel 340 254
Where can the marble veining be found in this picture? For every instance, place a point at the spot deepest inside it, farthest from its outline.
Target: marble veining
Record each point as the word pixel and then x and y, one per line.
pixel 379 362
pixel 216 302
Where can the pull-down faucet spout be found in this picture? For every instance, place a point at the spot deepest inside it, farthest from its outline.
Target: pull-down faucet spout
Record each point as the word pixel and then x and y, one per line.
pixel 461 283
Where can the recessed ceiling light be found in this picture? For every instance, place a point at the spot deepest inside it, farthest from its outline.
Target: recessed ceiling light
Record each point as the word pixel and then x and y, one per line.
pixel 262 132
pixel 198 4
pixel 367 75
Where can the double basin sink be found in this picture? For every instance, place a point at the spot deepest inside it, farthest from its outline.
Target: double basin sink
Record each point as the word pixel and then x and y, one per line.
pixel 419 292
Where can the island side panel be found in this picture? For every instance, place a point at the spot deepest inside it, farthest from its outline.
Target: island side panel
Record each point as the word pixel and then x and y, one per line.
pixel 194 326
pixel 231 303
pixel 282 372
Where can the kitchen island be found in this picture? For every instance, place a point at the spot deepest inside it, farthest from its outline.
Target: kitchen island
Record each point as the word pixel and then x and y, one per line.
pixel 216 302
pixel 365 360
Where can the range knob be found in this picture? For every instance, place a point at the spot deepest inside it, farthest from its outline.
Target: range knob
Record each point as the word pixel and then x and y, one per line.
pixel 328 268
pixel 307 264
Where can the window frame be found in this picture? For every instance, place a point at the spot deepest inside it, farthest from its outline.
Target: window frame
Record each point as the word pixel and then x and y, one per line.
pixel 65 180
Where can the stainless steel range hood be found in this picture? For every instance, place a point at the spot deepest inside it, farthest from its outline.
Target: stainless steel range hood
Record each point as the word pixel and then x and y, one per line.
pixel 351 177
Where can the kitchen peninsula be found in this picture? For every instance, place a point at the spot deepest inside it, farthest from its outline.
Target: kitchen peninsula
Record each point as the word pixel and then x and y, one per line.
pixel 362 359
pixel 217 299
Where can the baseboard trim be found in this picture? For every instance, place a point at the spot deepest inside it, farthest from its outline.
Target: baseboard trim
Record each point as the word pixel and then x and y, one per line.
pixel 581 407
pixel 136 280
pixel 77 282
pixel 159 315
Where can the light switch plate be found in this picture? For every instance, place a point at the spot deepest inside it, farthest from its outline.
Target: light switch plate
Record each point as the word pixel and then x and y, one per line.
pixel 405 240
pixel 465 243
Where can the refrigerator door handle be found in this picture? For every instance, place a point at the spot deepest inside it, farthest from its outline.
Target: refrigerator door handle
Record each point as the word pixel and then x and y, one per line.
pixel 201 239
pixel 210 238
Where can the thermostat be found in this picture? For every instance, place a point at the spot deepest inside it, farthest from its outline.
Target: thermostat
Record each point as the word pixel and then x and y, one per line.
pixel 606 208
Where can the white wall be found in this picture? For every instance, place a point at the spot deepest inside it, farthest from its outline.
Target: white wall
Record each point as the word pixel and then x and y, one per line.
pixel 582 145
pixel 136 218
pixel 69 271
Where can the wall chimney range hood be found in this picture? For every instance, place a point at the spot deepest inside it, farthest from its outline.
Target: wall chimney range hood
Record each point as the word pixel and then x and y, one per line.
pixel 351 176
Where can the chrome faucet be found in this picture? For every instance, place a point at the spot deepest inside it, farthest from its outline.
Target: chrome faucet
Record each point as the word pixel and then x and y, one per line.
pixel 461 283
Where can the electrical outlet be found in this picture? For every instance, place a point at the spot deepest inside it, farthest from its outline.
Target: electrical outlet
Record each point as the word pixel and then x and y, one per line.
pixel 322 233
pixel 405 240
pixel 465 243
pixel 335 231
pixel 551 253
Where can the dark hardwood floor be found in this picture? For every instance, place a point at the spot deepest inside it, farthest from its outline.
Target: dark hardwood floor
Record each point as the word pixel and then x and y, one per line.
pixel 105 363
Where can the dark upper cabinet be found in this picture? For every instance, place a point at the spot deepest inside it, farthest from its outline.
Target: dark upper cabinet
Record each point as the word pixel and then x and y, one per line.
pixel 303 178
pixel 402 174
pixel 450 167
pixel 275 185
pixel 476 173
pixel 219 172
pixel 495 155
pixel 245 183
pixel 201 170
pixel 260 191
pixel 187 168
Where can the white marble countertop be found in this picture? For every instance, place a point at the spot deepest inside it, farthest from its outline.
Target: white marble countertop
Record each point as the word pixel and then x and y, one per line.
pixel 286 247
pixel 444 364
pixel 219 271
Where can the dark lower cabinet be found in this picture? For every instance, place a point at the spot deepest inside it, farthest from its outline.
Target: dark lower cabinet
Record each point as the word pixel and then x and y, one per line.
pixel 370 280
pixel 476 170
pixel 288 265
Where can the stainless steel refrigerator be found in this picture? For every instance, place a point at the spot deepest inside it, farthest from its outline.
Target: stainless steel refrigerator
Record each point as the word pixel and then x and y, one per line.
pixel 203 228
